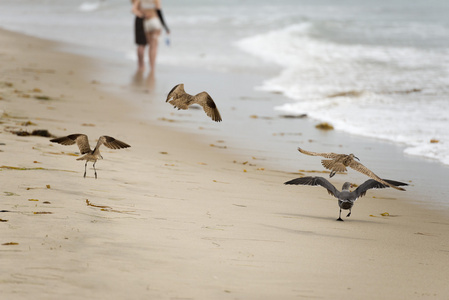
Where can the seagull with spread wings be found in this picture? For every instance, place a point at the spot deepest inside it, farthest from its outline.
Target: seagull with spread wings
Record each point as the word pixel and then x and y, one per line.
pixel 346 198
pixel 83 144
pixel 181 100
pixel 339 162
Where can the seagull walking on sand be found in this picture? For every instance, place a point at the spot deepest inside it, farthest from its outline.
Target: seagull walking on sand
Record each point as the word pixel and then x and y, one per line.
pixel 339 162
pixel 181 100
pixel 346 198
pixel 83 144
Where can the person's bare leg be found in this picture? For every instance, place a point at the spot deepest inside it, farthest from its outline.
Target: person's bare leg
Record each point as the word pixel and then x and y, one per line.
pixel 153 41
pixel 140 57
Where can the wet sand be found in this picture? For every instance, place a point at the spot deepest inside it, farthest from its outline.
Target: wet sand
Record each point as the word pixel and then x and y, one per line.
pixel 183 214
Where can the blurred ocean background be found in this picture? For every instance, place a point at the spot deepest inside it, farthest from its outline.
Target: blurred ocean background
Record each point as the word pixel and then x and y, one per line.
pixel 378 69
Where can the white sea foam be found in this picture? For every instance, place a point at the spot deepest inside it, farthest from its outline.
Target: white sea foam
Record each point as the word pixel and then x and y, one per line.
pixel 89 6
pixel 378 91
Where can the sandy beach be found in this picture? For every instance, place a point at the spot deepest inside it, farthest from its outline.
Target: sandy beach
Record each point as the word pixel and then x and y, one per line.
pixel 181 215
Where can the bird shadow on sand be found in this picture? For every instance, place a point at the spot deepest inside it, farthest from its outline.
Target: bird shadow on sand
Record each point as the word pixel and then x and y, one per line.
pixel 300 216
pixel 314 233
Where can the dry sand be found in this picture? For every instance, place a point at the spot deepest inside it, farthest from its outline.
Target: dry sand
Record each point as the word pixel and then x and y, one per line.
pixel 174 218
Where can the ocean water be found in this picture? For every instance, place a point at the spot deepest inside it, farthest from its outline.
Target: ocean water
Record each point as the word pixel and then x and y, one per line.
pixel 377 69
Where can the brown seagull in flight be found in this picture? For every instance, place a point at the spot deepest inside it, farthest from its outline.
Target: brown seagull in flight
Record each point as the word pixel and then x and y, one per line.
pixel 339 162
pixel 182 100
pixel 83 144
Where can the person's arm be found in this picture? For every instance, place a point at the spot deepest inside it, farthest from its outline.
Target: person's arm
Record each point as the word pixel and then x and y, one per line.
pixel 161 17
pixel 136 10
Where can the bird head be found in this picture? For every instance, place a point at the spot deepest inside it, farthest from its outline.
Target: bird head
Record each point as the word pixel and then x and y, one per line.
pixel 346 186
pixel 352 155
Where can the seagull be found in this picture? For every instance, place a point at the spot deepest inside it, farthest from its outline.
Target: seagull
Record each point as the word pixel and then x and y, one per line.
pixel 339 162
pixel 83 144
pixel 182 100
pixel 345 198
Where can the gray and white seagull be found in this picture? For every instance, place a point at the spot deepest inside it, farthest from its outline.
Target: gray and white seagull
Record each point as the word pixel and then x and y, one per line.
pixel 346 198
pixel 83 144
pixel 181 100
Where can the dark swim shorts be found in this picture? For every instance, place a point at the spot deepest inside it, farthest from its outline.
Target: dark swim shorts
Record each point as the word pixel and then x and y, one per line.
pixel 139 32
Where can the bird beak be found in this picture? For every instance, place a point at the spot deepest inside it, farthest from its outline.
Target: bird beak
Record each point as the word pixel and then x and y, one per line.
pixel 357 158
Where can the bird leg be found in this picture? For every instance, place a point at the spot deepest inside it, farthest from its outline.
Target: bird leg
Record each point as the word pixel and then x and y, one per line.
pixel 339 217
pixel 95 170
pixel 85 168
pixel 349 213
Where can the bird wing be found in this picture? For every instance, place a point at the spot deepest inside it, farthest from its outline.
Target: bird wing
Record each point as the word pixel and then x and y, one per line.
pixel 360 191
pixel 179 98
pixel 310 180
pixel 80 139
pixel 327 155
pixel 176 91
pixel 362 169
pixel 208 104
pixel 111 143
pixel 374 184
pixel 394 182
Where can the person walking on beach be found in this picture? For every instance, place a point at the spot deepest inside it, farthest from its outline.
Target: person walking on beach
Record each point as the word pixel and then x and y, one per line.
pixel 150 12
pixel 140 39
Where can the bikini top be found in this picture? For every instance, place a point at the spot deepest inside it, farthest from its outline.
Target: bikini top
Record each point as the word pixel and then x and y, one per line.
pixel 147 4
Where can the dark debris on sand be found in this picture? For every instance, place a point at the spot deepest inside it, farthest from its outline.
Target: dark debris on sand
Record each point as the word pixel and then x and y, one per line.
pixel 37 132
pixel 300 116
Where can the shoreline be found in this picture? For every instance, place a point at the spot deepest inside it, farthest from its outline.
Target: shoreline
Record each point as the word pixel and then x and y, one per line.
pixel 172 216
pixel 256 130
